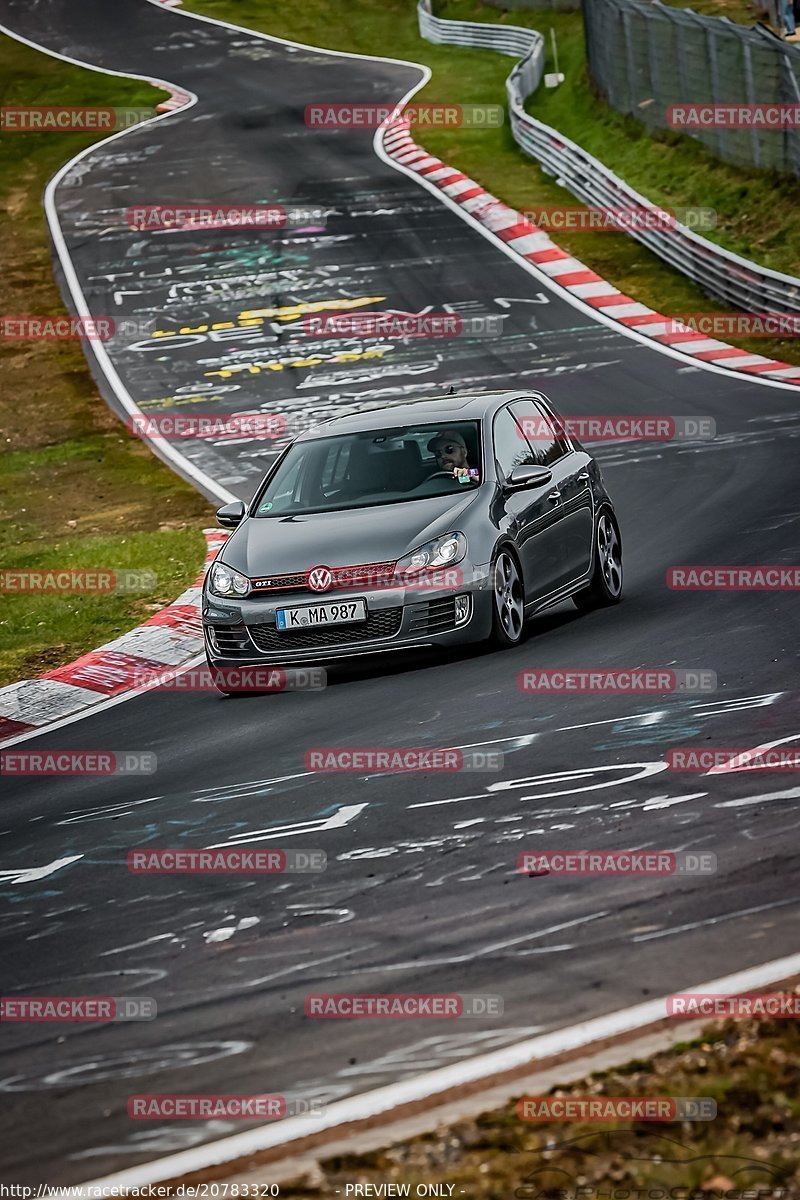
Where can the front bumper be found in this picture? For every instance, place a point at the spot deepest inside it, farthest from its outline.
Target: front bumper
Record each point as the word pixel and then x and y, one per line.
pixel 244 632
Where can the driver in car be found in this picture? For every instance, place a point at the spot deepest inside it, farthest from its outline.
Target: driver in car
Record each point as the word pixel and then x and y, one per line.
pixel 450 450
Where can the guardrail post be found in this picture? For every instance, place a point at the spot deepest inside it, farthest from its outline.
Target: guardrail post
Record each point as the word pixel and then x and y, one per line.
pixel 651 23
pixel 681 44
pixel 790 151
pixel 626 25
pixel 587 41
pixel 748 75
pixel 711 44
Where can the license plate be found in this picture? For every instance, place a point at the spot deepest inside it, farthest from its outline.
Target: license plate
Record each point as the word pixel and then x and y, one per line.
pixel 311 615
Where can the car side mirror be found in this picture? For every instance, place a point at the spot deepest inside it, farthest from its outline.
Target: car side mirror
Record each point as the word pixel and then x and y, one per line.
pixel 231 515
pixel 529 476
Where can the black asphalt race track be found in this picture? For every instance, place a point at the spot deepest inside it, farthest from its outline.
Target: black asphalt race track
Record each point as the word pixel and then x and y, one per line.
pixel 421 892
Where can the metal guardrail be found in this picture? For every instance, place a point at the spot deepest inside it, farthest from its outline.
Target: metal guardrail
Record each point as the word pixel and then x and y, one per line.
pixel 719 272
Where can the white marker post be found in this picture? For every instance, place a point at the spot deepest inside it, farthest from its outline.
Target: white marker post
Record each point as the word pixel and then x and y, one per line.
pixel 555 77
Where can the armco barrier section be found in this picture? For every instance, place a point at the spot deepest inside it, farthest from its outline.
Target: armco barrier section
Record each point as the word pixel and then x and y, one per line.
pixel 719 272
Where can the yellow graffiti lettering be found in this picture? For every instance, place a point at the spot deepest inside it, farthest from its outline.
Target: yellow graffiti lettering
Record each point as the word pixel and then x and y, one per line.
pixel 289 312
pixel 315 361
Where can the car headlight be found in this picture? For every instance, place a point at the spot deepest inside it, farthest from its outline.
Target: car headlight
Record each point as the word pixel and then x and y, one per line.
pixel 224 581
pixel 441 552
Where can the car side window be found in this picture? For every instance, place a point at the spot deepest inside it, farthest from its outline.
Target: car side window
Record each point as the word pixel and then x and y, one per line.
pixel 511 448
pixel 548 441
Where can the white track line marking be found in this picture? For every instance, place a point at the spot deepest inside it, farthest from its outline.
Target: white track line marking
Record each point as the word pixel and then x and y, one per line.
pixel 186 468
pixel 343 816
pixel 33 874
pixel 742 912
pixel 740 762
pixel 431 1083
pixel 745 801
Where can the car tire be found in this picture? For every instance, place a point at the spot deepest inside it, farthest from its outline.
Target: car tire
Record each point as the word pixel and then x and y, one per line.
pixel 508 600
pixel 605 587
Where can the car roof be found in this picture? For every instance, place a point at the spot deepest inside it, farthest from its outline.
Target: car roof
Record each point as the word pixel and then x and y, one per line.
pixel 466 406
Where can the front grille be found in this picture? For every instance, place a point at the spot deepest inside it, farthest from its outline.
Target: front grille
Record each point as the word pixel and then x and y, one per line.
pixel 280 583
pixel 365 575
pixel 434 616
pixel 383 623
pixel 230 640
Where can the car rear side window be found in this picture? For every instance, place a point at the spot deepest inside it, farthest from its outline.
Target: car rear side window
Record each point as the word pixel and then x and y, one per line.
pixel 511 448
pixel 548 441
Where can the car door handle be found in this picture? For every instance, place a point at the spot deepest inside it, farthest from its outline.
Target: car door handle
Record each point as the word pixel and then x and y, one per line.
pixel 583 477
pixel 554 496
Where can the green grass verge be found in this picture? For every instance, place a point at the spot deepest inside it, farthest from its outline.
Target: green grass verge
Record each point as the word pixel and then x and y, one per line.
pixel 75 490
pixel 758 214
pixel 747 1152
pixel 741 11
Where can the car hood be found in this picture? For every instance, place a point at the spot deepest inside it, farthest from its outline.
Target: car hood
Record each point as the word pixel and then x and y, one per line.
pixel 285 545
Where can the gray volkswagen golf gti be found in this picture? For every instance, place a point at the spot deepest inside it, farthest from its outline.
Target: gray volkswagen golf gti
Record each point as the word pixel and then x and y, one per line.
pixel 426 523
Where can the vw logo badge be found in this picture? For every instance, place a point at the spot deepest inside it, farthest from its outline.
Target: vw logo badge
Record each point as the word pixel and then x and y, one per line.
pixel 320 579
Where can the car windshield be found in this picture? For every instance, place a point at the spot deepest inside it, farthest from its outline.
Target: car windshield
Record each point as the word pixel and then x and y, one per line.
pixel 381 466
